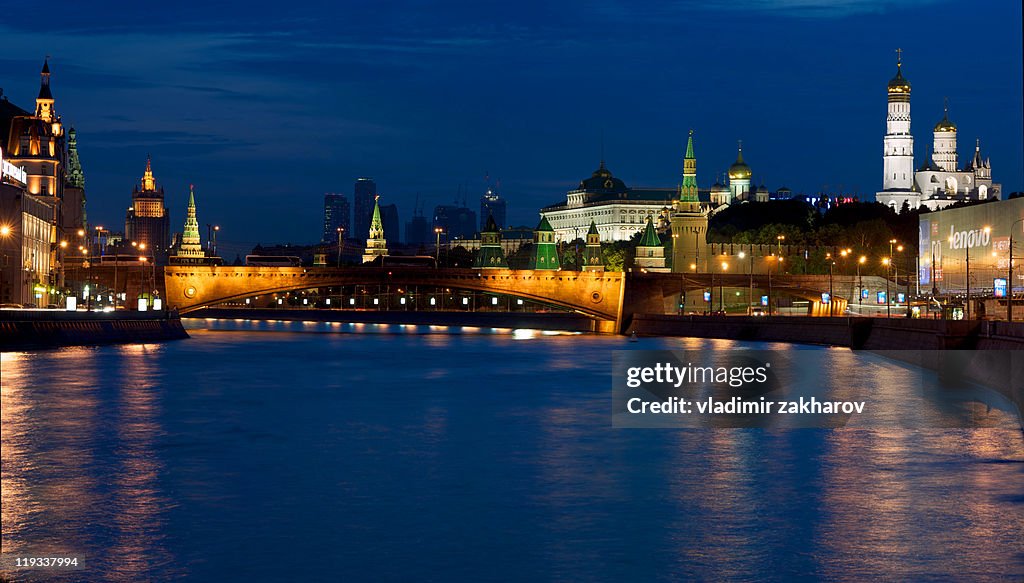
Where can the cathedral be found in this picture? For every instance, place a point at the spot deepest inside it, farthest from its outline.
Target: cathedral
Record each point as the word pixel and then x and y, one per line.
pixel 939 181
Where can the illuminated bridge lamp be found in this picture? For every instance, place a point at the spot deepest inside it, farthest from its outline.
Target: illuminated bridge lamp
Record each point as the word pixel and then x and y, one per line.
pixel 465 301
pixel 351 301
pixel 376 301
pixel 494 301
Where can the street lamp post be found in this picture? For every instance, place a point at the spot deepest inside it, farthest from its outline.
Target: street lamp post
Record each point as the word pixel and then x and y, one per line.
pixel 831 263
pixel 437 247
pixel 721 289
pixel 860 280
pixel 750 290
pixel 5 232
pixel 888 271
pixel 341 233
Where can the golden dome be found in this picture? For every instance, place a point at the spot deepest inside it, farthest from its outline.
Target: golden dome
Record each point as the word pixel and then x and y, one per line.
pixel 945 126
pixel 739 169
pixel 898 84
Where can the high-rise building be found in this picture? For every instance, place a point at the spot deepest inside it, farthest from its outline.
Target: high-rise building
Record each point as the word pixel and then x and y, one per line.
pixel 389 219
pixel 491 204
pixel 147 220
pixel 456 221
pixel 364 199
pixel 417 230
pixel 336 215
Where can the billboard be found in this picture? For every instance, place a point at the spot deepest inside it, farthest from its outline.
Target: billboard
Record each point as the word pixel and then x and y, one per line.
pixel 999 287
pixel 978 236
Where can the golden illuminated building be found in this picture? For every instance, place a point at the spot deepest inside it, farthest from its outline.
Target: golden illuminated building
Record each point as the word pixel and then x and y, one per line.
pixel 147 220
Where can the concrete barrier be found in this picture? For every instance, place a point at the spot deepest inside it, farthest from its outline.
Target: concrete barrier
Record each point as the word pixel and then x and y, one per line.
pixel 35 329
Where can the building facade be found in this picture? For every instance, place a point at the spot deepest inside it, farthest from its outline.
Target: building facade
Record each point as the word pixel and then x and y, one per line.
pixel 25 266
pixel 148 220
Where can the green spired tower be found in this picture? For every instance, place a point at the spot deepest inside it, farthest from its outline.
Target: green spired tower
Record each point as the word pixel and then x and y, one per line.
pixel 545 252
pixel 689 220
pixel 376 244
pixel 688 187
pixel 592 259
pixel 650 255
pixel 490 256
pixel 191 245
pixel 76 177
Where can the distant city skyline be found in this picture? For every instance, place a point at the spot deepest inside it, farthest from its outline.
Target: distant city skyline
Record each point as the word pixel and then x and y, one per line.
pixel 266 115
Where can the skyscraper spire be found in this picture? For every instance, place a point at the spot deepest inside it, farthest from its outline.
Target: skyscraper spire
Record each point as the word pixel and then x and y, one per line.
pixel 148 182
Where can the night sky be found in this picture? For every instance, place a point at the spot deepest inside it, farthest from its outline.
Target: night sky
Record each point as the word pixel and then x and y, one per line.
pixel 267 107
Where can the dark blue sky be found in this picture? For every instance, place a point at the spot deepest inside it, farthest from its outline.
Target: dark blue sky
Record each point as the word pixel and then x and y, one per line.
pixel 265 106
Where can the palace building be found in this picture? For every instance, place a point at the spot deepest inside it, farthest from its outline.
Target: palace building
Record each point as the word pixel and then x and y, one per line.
pixel 618 211
pixel 939 181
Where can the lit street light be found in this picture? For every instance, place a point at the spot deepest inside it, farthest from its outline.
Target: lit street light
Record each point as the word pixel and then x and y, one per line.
pixel 437 247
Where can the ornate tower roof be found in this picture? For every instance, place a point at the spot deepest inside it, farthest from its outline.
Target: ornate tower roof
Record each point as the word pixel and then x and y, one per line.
pixel 191 245
pixel 593 228
pixel 44 81
pixel 650 238
pixel 376 225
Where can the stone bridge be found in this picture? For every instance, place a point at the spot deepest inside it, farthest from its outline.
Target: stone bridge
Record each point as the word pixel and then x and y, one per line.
pixel 611 298
pixel 596 294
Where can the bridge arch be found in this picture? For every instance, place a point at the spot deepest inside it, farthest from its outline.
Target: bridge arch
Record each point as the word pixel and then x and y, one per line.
pixel 595 294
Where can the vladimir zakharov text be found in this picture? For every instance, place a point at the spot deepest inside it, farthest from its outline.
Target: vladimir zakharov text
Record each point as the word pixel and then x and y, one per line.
pixel 666 374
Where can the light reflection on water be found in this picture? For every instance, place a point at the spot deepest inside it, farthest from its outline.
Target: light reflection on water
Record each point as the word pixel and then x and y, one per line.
pixel 391 454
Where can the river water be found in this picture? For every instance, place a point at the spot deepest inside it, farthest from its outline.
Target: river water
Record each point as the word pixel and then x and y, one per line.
pixel 410 453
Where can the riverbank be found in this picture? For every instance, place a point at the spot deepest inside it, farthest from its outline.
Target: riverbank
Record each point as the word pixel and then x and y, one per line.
pixel 564 321
pixel 38 329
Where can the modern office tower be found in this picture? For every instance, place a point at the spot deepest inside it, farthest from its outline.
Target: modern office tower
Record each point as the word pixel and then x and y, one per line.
pixel 491 204
pixel 364 198
pixel 336 215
